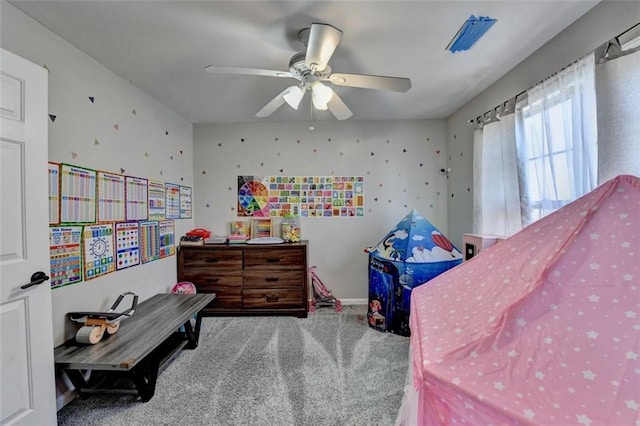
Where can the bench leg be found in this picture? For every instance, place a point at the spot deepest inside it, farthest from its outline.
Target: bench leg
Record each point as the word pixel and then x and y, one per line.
pixel 145 376
pixel 193 334
pixel 78 381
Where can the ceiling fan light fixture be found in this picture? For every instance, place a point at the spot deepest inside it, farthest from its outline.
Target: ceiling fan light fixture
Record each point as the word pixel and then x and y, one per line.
pixel 321 95
pixel 293 97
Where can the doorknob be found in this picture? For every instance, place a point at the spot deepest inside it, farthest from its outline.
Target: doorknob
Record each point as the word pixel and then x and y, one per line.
pixel 37 278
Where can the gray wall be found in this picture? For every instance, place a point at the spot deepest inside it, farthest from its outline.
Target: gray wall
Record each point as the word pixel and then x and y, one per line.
pixel 400 161
pixel 605 21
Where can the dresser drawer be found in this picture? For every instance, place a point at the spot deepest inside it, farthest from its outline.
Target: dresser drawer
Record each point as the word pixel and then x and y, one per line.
pixel 220 259
pixel 275 259
pixel 272 298
pixel 273 278
pixel 226 286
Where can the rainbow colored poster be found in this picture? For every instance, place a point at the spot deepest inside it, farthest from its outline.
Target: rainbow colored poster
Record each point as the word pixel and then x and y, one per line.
pixel 253 197
pixel 110 197
pixel 185 202
pixel 137 198
pixel 157 202
pixel 98 250
pixel 54 193
pixel 127 245
pixel 149 241
pixel 65 255
pixel 77 194
pixel 172 201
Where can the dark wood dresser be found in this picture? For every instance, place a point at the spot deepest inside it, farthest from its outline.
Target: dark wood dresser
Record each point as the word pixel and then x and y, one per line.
pixel 248 279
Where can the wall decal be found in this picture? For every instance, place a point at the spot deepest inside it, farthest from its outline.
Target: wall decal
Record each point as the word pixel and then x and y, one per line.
pixel 387 140
pixel 207 205
pixel 438 151
pixel 276 139
pixel 181 179
pixel 92 99
pixel 180 152
pixel 96 142
pixel 65 255
pixel 161 173
pixel 278 154
pixel 241 140
pixel 52 117
pixel 341 154
pixel 386 161
pixel 261 164
pixel 238 166
pixel 328 139
pixel 171 157
pixel 166 133
pixel 73 155
pixel 428 139
pixel 375 199
pixel 404 150
pixel 315 151
pixel 219 143
pixel 357 140
pixel 116 126
pixel 421 164
pixel 146 154
pixel 46 67
pixel 426 183
pixel 373 153
pixel 298 141
pixel 204 172
pixel 281 170
pixel 134 112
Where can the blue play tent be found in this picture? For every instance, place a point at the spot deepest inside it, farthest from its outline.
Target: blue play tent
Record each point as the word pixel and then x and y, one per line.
pixel 411 254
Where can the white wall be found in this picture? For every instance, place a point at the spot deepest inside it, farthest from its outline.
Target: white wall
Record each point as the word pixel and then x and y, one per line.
pixel 605 21
pixel 140 145
pixel 400 161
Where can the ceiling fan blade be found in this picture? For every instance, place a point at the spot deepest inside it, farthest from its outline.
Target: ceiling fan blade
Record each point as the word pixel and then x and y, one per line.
pixel 338 108
pixel 273 105
pixel 323 40
pixel 247 71
pixel 379 82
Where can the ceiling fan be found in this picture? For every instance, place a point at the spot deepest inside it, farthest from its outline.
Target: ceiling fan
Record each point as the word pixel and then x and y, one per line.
pixel 312 70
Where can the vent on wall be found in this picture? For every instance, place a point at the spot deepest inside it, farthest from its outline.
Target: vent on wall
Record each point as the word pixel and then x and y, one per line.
pixel 472 29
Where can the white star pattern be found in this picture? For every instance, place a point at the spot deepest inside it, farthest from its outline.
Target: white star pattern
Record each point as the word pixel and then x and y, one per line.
pixel 594 298
pixel 627 277
pixel 512 354
pixel 589 375
pixel 521 322
pixel 456 381
pixel 528 413
pixel 548 340
pixel 473 354
pixel 632 355
pixel 592 334
pixel 583 419
pixel 594 266
pixel 632 405
pixel 594 236
pixel 539 375
pixel 630 314
pixel 499 385
pixel 626 244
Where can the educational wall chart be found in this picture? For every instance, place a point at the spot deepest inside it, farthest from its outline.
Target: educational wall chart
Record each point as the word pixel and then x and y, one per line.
pixel 65 255
pixel 304 196
pixel 167 238
pixel 54 193
pixel 185 202
pixel 77 195
pixel 173 201
pixel 98 250
pixel 137 198
pixel 111 197
pixel 149 241
pixel 127 245
pixel 157 200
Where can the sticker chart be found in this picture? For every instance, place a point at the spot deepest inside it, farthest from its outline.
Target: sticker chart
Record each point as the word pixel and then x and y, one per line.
pixel 98 250
pixel 65 255
pixel 185 202
pixel 127 245
pixel 110 197
pixel 137 193
pixel 157 196
pixel 173 201
pixel 149 241
pixel 54 193
pixel 77 195
pixel 304 196
pixel 167 238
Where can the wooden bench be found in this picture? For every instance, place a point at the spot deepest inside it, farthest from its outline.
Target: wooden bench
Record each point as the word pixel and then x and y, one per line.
pixel 130 359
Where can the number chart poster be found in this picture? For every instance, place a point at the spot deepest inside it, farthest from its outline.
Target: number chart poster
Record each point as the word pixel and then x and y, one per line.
pixel 173 201
pixel 185 202
pixel 77 195
pixel 54 193
pixel 98 250
pixel 127 245
pixel 167 238
pixel 149 241
pixel 157 194
pixel 304 196
pixel 137 198
pixel 65 255
pixel 110 197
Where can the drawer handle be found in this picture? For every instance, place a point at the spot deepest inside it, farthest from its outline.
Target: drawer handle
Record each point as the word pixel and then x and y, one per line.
pixel 211 260
pixel 272 298
pixel 213 280
pixel 272 279
pixel 273 260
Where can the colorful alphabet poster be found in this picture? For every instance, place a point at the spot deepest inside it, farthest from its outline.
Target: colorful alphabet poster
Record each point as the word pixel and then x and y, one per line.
pixel 149 241
pixel 98 250
pixel 54 193
pixel 304 196
pixel 157 202
pixel 65 255
pixel 137 198
pixel 77 195
pixel 127 245
pixel 110 197
pixel 172 201
pixel 167 238
pixel 185 202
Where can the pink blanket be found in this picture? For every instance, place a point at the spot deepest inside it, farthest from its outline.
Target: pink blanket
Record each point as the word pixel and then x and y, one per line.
pixel 542 328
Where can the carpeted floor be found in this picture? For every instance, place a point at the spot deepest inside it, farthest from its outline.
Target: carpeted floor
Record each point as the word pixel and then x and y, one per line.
pixel 327 369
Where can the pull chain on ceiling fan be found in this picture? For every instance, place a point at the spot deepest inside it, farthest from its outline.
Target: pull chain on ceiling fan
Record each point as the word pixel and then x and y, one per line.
pixel 311 68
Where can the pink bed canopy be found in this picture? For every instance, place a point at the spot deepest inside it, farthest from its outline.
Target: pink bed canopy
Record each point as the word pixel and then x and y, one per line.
pixel 542 328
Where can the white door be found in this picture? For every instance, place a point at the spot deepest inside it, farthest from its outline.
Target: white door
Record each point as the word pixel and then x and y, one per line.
pixel 27 390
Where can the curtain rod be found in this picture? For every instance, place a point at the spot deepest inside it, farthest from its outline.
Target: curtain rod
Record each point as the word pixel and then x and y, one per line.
pixel 610 49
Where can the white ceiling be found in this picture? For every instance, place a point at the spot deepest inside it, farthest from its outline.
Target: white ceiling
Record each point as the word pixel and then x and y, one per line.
pixel 162 47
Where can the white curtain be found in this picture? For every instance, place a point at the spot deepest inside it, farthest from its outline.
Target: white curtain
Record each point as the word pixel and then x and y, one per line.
pixel 557 139
pixel 495 176
pixel 618 94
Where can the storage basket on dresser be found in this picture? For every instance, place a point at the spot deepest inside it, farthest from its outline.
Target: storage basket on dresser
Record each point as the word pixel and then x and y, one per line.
pixel 248 279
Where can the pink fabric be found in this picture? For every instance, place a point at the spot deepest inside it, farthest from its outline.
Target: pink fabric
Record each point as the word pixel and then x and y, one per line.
pixel 542 328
